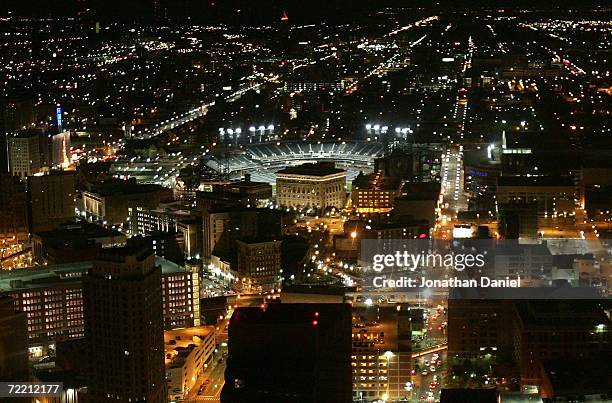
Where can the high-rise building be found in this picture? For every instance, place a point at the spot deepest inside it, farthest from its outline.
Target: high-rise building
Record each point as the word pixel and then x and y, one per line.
pixel 52 299
pixel 13 342
pixel 15 113
pixel 124 327
pixel 374 193
pixel 289 353
pixel 418 202
pixel 311 185
pixel 52 303
pixel 173 218
pixel 111 200
pixel 13 209
pixel 245 193
pixel 222 227
pixel 25 154
pixel 167 245
pixel 555 195
pixel 51 200
pixel 259 264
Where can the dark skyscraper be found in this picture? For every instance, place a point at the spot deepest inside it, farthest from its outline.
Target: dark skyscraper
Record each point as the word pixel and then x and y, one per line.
pixel 13 208
pixel 51 199
pixel 289 353
pixel 124 327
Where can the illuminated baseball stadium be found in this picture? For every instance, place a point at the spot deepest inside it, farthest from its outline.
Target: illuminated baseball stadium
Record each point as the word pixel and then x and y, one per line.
pixel 264 159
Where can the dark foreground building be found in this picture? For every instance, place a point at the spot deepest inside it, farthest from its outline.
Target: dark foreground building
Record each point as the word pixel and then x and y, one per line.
pixel 289 353
pixel 468 396
pixel 124 327
pixel 13 342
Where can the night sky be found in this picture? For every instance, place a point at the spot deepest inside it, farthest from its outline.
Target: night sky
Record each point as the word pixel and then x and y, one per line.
pixel 241 11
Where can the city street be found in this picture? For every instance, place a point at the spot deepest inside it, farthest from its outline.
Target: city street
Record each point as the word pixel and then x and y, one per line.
pixel 209 384
pixel 453 195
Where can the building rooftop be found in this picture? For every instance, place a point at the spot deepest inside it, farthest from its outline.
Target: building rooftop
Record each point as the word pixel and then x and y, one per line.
pixel 80 231
pixel 179 208
pixel 179 343
pixel 525 293
pixel 132 249
pixel 239 209
pixel 244 184
pixel 420 191
pixel 317 289
pixel 376 181
pixel 594 375
pixel 117 186
pixel 468 396
pixel 563 314
pixel 276 313
pixel 511 248
pixel 43 276
pixel 309 169
pixel 535 181
pixel 28 133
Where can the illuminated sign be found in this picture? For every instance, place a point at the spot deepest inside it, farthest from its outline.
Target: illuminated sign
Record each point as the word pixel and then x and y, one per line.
pixel 477 173
pixel 58 116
